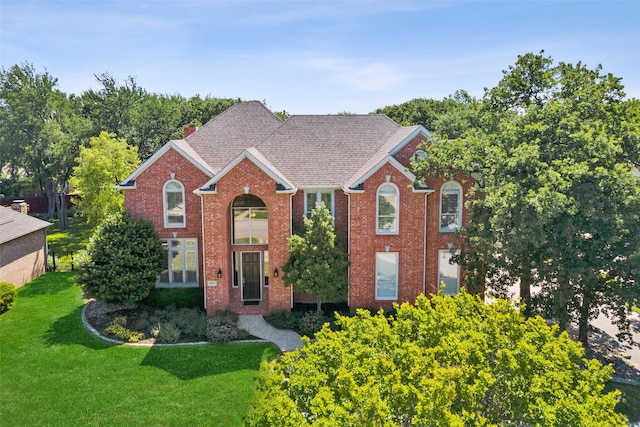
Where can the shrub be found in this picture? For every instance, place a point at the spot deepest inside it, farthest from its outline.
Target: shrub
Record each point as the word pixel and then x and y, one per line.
pixel 122 260
pixel 181 298
pixel 166 332
pixel 285 319
pixel 222 326
pixel 118 328
pixel 191 321
pixel 7 296
pixel 311 322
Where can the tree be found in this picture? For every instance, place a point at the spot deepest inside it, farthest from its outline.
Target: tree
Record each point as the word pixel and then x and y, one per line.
pixel 40 133
pixel 449 361
pixel 557 204
pixel 317 264
pixel 101 166
pixel 122 261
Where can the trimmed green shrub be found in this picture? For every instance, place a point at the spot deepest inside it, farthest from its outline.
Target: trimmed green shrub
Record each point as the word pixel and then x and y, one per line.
pixel 179 297
pixel 7 296
pixel 284 319
pixel 122 260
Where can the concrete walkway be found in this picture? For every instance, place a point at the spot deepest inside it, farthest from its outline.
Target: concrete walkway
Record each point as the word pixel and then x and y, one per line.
pixel 257 326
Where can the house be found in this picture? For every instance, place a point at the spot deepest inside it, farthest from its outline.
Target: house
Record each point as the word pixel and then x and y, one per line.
pixel 225 199
pixel 23 245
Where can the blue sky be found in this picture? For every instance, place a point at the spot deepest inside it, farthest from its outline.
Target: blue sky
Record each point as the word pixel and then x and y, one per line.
pixel 314 57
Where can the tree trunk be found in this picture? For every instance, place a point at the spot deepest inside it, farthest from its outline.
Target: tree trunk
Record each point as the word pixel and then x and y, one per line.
pixel 61 205
pixel 51 198
pixel 583 321
pixel 525 292
pixel 319 303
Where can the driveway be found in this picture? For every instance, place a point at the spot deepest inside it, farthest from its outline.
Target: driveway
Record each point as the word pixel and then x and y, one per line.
pixel 631 352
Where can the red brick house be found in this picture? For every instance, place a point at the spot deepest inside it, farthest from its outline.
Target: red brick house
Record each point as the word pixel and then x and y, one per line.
pixel 225 198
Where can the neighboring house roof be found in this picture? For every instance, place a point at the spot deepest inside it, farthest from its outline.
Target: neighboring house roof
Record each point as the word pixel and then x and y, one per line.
pixel 15 224
pixel 303 151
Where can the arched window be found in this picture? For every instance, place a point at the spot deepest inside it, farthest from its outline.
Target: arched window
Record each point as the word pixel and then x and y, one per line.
pixel 387 208
pixel 250 220
pixel 450 206
pixel 174 213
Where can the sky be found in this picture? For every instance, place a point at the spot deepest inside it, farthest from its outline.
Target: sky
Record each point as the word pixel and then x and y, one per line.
pixel 314 57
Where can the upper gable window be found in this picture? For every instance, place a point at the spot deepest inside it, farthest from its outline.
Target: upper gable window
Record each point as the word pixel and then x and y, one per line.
pixel 174 211
pixel 450 206
pixel 387 207
pixel 314 198
pixel 250 220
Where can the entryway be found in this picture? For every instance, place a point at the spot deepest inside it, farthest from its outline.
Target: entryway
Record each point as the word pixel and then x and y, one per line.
pixel 251 276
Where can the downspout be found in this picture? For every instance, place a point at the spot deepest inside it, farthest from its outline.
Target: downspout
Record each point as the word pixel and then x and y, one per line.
pixel 204 252
pixel 349 249
pixel 424 246
pixel 291 234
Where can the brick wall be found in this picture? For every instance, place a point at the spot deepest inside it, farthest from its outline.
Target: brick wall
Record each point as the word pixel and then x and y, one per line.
pixel 146 201
pixel 23 259
pixel 218 238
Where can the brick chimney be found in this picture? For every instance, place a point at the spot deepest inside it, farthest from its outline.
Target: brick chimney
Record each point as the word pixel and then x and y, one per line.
pixel 20 206
pixel 188 130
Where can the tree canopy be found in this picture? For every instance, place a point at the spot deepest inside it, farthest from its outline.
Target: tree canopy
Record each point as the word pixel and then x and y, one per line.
pixel 101 166
pixel 557 204
pixel 317 263
pixel 448 361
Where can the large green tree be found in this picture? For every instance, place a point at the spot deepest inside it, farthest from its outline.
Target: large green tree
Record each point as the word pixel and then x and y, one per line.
pixel 317 263
pixel 40 134
pixel 101 166
pixel 557 204
pixel 449 361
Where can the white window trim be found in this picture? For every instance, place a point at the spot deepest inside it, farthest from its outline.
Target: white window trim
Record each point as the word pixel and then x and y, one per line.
pixel 442 191
pixel 183 249
pixel 397 230
pixel 457 272
pixel 318 193
pixel 387 298
pixel 165 211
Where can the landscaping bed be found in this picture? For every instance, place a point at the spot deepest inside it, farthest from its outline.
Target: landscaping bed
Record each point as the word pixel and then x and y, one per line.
pixel 140 323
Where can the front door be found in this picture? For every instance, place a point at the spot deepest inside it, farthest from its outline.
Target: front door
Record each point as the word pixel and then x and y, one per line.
pixel 251 276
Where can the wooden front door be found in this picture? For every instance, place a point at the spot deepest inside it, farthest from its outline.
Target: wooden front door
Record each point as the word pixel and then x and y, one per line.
pixel 251 276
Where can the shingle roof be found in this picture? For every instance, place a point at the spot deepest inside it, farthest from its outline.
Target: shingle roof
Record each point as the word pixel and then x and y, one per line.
pixel 309 150
pixel 15 224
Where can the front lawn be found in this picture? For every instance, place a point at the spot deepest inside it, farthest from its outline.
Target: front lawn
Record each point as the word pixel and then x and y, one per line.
pixel 53 372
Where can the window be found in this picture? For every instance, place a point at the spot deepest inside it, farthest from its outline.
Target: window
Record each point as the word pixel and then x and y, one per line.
pixel 450 206
pixel 387 209
pixel 180 265
pixel 313 198
pixel 250 220
pixel 174 205
pixel 448 273
pixel 386 275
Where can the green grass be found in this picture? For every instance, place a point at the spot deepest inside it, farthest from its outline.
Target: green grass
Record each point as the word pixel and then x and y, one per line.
pixel 66 244
pixel 54 373
pixel 630 400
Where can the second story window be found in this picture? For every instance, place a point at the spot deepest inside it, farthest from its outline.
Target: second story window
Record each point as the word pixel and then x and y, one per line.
pixel 174 211
pixel 450 207
pixel 313 198
pixel 387 218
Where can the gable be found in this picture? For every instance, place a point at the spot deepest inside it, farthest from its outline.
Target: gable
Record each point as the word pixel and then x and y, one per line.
pixel 179 146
